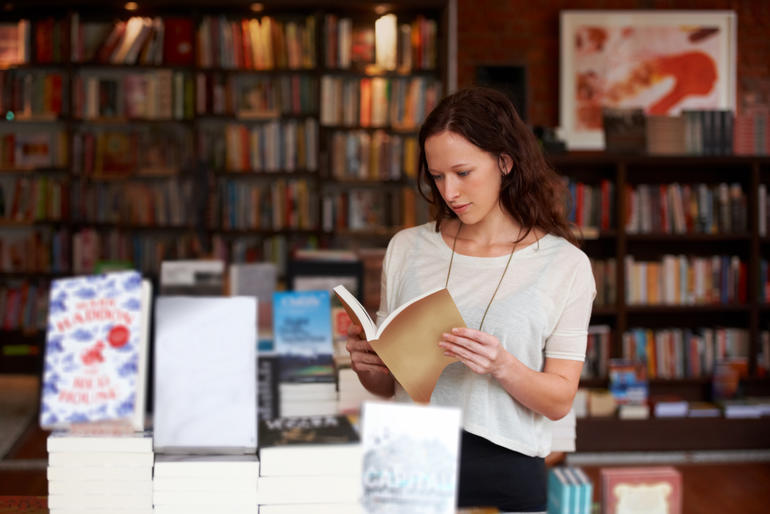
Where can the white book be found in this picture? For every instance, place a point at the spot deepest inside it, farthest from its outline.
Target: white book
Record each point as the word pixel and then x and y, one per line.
pixel 309 489
pixel 313 508
pixel 104 459
pixel 200 509
pixel 206 466
pixel 205 364
pixel 130 443
pixel 220 501
pixel 117 473
pixel 104 501
pixel 112 510
pixel 308 407
pixel 418 444
pixel 308 390
pixel 73 487
pixel 212 484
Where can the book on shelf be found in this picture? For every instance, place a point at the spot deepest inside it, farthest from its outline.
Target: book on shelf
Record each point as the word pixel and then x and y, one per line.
pixel 419 443
pixel 700 409
pixel 624 488
pixel 309 446
pixel 407 339
pixel 95 367
pixel 628 381
pixel 570 491
pixel 205 374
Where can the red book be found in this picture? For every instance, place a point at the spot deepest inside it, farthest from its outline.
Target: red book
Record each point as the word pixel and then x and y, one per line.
pixel 178 42
pixel 659 487
pixel 248 62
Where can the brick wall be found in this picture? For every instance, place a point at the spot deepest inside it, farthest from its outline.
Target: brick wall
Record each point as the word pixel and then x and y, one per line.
pixel 526 32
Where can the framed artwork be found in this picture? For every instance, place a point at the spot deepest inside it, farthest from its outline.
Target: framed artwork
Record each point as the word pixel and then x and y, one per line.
pixel 660 61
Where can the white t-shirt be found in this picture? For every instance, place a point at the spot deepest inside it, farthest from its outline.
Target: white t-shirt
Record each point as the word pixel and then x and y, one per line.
pixel 541 310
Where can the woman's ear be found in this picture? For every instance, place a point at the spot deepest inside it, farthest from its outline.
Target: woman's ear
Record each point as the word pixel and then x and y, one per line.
pixel 505 162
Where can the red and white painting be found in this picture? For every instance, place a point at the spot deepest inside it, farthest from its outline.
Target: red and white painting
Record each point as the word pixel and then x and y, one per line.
pixel 661 61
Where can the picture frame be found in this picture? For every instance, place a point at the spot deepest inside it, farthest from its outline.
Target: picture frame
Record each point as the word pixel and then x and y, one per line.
pixel 661 61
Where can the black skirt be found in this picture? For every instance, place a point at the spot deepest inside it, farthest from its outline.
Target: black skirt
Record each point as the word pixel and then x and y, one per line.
pixel 493 476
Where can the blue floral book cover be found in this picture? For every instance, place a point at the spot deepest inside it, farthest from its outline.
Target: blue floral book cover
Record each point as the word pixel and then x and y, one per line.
pixel 96 350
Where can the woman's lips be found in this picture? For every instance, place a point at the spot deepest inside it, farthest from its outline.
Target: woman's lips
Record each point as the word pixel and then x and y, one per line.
pixel 460 208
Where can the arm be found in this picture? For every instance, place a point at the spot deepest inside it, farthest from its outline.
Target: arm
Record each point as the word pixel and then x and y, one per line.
pixel 371 371
pixel 549 392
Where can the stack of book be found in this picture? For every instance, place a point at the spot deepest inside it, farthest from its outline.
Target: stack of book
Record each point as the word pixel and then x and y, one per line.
pixel 308 398
pixel 352 394
pixel 309 463
pixel 100 474
pixel 205 483
pixel 570 491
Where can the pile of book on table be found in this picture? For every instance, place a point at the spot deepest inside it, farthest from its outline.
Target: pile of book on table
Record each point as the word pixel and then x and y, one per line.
pixel 99 474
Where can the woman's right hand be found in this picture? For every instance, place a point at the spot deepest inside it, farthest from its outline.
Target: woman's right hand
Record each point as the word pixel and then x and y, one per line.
pixel 362 356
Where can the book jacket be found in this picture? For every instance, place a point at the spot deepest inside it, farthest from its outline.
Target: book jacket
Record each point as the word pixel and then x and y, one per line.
pixel 302 332
pixel 92 353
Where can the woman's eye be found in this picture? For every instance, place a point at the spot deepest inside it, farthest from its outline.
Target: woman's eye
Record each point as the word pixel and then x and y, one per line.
pixel 436 177
pixel 463 173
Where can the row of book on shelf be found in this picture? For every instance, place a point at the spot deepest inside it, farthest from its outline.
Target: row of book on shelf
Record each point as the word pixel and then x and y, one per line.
pixel 378 155
pixel 686 208
pixel 675 352
pixel 692 132
pixel 686 280
pixel 246 43
pixel 400 103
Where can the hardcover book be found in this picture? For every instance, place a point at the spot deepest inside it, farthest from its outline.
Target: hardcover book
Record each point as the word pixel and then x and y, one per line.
pixel 96 351
pixel 407 340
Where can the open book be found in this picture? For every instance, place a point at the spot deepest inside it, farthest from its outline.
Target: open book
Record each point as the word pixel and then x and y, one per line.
pixel 407 340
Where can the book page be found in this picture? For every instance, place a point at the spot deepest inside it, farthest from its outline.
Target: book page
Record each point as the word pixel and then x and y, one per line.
pixel 356 311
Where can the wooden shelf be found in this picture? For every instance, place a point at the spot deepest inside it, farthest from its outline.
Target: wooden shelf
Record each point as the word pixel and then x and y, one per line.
pixel 674 434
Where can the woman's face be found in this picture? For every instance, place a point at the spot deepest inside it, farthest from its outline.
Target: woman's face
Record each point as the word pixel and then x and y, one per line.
pixel 467 177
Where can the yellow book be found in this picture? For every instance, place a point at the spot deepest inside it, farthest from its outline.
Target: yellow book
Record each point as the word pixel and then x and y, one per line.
pixel 407 340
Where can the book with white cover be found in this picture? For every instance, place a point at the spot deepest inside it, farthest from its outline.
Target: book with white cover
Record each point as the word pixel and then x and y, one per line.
pixel 418 444
pixel 104 501
pixel 313 508
pixel 104 459
pixel 309 445
pixel 211 484
pixel 205 369
pixel 99 487
pixel 309 489
pixel 68 442
pixel 86 473
pixel 215 500
pixel 206 466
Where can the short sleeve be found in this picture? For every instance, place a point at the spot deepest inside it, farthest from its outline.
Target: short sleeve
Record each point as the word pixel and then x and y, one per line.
pixel 568 339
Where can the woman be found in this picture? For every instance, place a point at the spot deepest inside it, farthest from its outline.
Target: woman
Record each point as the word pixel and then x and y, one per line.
pixel 502 245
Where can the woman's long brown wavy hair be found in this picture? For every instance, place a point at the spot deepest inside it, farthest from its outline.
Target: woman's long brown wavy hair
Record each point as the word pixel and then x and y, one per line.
pixel 531 192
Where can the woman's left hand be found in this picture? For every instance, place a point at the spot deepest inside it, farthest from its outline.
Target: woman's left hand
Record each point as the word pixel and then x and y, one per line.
pixel 480 351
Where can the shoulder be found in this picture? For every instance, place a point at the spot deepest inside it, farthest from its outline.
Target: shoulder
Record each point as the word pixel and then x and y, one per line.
pixel 564 256
pixel 413 237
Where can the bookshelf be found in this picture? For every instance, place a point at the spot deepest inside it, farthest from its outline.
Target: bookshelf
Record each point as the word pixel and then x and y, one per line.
pixel 194 129
pixel 735 304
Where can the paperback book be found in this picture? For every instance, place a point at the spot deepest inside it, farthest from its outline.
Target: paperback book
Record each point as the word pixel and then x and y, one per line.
pixel 95 366
pixel 407 340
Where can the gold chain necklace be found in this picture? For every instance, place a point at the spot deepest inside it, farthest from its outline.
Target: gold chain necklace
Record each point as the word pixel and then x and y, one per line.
pixel 449 271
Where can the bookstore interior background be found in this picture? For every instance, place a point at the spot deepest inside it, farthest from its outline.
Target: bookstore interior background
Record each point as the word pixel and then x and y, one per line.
pixel 231 149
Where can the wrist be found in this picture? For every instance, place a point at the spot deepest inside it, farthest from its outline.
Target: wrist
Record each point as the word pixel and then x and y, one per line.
pixel 505 372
